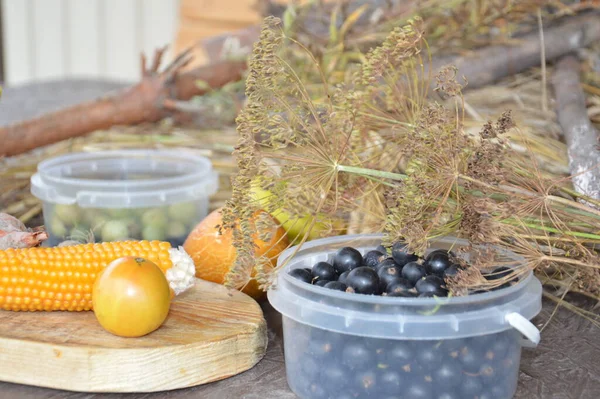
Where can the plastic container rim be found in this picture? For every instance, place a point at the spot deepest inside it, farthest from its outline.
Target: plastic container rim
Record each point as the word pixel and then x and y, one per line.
pixel 119 155
pixel 376 299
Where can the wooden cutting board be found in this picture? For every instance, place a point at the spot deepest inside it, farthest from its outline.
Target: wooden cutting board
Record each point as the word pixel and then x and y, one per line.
pixel 211 333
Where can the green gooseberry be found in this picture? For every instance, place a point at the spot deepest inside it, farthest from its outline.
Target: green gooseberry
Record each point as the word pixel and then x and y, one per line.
pixel 115 230
pixel 70 215
pixel 57 227
pixel 89 215
pixel 176 230
pixel 151 232
pixel 182 212
pixel 155 217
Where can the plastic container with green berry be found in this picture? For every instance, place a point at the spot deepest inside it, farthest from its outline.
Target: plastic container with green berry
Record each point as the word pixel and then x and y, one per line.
pixel 363 321
pixel 124 194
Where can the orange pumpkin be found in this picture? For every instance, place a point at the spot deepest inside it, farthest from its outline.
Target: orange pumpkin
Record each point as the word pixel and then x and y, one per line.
pixel 213 252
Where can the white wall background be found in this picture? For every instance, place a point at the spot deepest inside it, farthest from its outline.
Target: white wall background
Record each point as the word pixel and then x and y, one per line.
pixel 53 39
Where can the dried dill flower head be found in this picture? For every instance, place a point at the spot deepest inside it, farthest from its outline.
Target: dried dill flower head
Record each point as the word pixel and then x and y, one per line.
pixel 378 146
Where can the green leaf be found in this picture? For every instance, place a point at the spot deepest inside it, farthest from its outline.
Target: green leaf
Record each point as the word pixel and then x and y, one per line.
pixel 289 16
pixel 351 20
pixel 333 31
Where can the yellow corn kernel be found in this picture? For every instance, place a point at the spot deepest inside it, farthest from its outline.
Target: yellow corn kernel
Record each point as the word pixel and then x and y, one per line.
pixel 61 278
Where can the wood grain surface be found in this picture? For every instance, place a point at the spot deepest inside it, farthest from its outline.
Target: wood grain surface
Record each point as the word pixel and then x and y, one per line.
pixel 210 333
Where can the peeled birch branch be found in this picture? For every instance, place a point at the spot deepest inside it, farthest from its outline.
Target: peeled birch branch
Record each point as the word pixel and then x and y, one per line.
pixel 580 134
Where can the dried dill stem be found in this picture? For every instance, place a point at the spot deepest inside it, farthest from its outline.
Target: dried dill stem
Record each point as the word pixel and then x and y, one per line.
pixel 237 212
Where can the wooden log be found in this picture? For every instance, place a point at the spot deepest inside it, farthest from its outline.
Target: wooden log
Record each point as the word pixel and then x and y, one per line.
pixel 490 64
pixel 139 103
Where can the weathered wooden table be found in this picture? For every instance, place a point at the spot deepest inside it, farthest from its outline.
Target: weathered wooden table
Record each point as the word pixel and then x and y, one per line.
pixel 566 364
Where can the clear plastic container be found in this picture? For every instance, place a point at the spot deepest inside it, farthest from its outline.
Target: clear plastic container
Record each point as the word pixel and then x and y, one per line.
pixel 124 194
pixel 344 345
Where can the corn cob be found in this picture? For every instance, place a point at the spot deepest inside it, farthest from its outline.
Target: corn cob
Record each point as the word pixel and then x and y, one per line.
pixel 61 278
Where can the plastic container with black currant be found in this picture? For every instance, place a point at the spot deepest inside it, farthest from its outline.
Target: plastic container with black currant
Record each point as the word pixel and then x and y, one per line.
pixel 349 345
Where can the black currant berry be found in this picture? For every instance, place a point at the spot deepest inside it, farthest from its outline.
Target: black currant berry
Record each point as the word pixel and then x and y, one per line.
pixel 419 391
pixel 448 374
pixel 389 275
pixel 498 349
pixel 342 278
pixel 302 275
pixel 390 381
pixel 447 395
pixel 324 271
pixel 309 367
pixel 336 285
pixel 346 259
pixel 357 356
pixel 449 254
pixel 401 256
pixel 499 391
pixel 308 269
pixel 321 349
pixel 487 395
pixel 321 283
pixel 488 372
pixel 399 355
pixel 498 273
pixel 363 280
pixel 382 249
pixel 413 272
pixel 470 359
pixel 428 357
pixel 373 258
pixel 366 381
pixel 334 376
pixel 471 387
pixel 452 271
pixel 399 285
pixel 437 263
pixel 385 263
pixel 482 342
pixel 431 284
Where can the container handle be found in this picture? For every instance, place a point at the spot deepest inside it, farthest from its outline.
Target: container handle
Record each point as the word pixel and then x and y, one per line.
pixel 525 327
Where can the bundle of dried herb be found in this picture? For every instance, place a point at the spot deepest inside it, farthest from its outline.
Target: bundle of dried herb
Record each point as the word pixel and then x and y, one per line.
pixel 377 146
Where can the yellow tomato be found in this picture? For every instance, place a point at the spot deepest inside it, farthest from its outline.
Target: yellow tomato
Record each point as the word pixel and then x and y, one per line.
pixel 131 297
